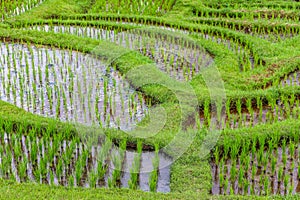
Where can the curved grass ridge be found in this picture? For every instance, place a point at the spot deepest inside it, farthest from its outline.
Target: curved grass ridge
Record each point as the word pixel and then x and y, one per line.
pixel 276 55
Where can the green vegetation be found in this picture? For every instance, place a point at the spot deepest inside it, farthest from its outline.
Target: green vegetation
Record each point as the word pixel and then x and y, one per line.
pixel 218 80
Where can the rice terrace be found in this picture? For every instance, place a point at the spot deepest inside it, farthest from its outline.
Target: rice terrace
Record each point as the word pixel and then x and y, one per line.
pixel 161 99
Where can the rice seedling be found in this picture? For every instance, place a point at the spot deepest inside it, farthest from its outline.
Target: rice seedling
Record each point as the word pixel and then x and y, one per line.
pixel 154 174
pixel 133 182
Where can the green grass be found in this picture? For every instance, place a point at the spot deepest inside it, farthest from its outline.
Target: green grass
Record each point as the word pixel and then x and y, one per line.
pixel 11 190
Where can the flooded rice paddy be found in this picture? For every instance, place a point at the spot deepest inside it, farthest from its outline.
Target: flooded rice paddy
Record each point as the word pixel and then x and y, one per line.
pixel 55 161
pixel 175 56
pixel 262 172
pixel 68 85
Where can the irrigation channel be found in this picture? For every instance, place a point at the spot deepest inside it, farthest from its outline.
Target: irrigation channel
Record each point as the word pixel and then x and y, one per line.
pixel 176 56
pixel 74 87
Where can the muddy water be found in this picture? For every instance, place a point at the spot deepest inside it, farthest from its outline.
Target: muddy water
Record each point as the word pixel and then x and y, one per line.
pixel 279 174
pixel 69 163
pixel 67 85
pixel 174 56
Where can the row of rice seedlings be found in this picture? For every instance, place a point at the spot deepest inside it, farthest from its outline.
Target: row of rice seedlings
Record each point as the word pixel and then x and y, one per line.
pixel 261 167
pixel 234 115
pixel 246 59
pixel 156 7
pixel 96 32
pixel 274 34
pixel 272 13
pixel 50 162
pixel 51 159
pixel 67 85
pixel 30 158
pixel 16 7
pixel 179 58
pixel 153 178
pixel 118 159
pixel 126 39
pixel 273 37
pixel 91 22
pixel 260 29
pixel 278 5
pixel 245 54
pixel 252 59
pixel 134 172
pixel 264 31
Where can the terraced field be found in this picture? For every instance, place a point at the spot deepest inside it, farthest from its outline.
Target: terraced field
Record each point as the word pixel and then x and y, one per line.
pixel 164 99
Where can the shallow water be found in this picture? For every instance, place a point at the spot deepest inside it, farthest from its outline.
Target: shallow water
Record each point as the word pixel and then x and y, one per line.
pixel 68 85
pixel 50 161
pixel 266 115
pixel 254 182
pixel 293 79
